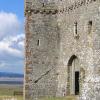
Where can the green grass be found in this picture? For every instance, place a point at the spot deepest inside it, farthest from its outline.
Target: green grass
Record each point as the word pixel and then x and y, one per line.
pixel 10 97
pixel 59 98
pixel 7 92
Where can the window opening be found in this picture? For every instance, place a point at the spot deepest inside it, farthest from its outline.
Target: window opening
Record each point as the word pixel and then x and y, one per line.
pixel 75 25
pixel 89 26
pixel 38 43
pixel 77 83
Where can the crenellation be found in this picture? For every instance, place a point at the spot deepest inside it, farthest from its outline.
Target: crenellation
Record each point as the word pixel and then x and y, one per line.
pixel 68 9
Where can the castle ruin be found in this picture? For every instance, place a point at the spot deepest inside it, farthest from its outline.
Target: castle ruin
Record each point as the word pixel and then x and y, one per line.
pixel 62 49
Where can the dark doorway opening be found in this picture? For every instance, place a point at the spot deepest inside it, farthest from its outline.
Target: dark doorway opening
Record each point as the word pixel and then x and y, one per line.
pixel 77 83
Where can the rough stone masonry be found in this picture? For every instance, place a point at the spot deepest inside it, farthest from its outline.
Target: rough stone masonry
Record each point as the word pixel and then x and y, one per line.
pixel 62 49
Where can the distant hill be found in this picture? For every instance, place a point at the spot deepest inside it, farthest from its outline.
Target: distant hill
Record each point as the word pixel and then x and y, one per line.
pixel 11 75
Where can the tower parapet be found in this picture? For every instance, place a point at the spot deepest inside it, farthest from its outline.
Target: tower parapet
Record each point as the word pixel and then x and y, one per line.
pixel 42 7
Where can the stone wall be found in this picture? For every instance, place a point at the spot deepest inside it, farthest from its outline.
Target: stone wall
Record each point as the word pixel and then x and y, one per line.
pixel 82 45
pixel 51 40
pixel 42 51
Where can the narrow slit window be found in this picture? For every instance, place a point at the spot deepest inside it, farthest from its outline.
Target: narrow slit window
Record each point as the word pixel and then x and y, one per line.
pixel 90 26
pixel 43 4
pixel 38 43
pixel 75 28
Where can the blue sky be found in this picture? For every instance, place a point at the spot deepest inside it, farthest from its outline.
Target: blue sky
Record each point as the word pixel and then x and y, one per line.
pixel 12 36
pixel 14 6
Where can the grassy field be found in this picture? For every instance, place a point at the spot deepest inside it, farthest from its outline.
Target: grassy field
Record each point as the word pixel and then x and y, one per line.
pixel 11 98
pixel 20 98
pixel 7 92
pixel 62 98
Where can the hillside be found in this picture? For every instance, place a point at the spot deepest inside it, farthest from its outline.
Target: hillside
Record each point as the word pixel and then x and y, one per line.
pixel 11 78
pixel 11 75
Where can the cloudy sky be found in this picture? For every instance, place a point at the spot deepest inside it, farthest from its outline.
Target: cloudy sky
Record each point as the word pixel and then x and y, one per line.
pixel 12 36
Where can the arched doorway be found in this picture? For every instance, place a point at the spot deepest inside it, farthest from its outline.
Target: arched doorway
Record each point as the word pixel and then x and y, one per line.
pixel 73 75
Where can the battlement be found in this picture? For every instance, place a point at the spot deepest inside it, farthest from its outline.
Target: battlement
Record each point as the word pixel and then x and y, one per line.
pixel 52 7
pixel 43 7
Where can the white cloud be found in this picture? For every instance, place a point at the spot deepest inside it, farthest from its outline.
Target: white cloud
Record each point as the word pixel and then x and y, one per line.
pixel 13 45
pixel 9 24
pixel 21 43
pixel 2 64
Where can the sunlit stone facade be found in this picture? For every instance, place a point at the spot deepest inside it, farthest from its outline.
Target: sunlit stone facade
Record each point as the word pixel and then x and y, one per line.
pixel 62 49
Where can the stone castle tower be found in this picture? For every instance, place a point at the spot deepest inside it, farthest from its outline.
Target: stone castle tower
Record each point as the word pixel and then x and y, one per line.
pixel 62 48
